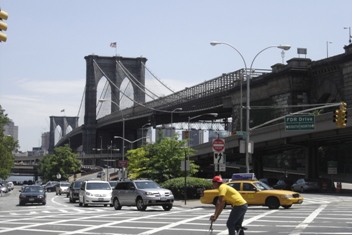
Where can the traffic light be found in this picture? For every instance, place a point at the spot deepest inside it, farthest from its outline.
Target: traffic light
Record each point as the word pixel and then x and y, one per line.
pixel 3 26
pixel 336 118
pixel 343 115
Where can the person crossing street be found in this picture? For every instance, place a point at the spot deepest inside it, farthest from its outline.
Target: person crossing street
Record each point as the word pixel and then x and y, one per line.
pixel 239 206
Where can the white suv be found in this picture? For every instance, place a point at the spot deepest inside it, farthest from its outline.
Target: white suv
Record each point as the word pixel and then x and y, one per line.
pixel 95 192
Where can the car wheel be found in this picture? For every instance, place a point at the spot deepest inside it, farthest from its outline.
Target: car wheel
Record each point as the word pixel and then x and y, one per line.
pixel 286 207
pixel 84 202
pixel 60 193
pixel 56 193
pixel 272 203
pixel 80 203
pixel 71 200
pixel 117 204
pixel 140 204
pixel 167 207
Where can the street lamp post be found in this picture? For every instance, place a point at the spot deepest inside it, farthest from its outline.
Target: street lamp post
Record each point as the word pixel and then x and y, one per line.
pixel 248 79
pixel 172 112
pixel 187 157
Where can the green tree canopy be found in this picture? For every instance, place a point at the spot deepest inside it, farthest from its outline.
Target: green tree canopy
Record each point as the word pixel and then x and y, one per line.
pixel 63 161
pixel 160 161
pixel 7 146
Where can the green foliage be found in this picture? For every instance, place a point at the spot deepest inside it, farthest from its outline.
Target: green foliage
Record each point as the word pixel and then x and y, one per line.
pixel 7 146
pixel 160 161
pixel 63 161
pixel 194 187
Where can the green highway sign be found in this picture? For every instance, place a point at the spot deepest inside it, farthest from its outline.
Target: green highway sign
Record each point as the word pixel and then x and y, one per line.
pixel 300 123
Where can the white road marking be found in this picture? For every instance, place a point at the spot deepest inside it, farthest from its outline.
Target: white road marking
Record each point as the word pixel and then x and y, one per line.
pixel 298 230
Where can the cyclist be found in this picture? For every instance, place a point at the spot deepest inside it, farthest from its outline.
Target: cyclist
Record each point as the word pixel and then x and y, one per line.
pixel 239 209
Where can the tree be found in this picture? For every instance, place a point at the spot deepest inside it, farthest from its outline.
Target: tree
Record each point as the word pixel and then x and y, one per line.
pixel 7 146
pixel 63 161
pixel 160 161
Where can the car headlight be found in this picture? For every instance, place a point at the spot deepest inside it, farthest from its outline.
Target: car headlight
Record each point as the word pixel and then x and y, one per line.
pixel 286 196
pixel 22 196
pixel 148 193
pixel 40 196
pixel 89 194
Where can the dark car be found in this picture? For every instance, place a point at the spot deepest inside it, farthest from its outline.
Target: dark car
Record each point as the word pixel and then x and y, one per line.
pixel 269 181
pixel 73 190
pixel 100 174
pixel 32 194
pixel 51 187
pixel 284 184
pixel 326 185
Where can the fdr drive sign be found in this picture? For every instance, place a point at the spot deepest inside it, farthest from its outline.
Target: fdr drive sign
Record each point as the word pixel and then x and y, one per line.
pixel 300 123
pixel 218 145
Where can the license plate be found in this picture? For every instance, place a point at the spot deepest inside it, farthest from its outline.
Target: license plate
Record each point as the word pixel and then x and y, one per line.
pixel 163 199
pixel 100 199
pixel 31 199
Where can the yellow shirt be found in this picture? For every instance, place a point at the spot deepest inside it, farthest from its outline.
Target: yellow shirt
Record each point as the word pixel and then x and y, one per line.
pixel 231 195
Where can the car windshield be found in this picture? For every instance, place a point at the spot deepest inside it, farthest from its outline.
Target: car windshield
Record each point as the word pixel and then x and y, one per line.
pixel 65 184
pixel 77 184
pixel 147 184
pixel 261 185
pixel 98 186
pixel 33 189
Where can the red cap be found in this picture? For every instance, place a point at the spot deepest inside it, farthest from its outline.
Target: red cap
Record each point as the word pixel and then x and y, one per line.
pixel 217 179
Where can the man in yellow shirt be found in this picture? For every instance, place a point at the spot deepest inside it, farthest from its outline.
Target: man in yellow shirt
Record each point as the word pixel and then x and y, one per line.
pixel 239 206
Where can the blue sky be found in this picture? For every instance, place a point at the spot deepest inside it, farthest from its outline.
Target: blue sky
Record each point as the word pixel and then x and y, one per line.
pixel 42 66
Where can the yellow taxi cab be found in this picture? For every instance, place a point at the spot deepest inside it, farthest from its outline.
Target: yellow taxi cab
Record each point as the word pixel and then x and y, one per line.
pixel 256 193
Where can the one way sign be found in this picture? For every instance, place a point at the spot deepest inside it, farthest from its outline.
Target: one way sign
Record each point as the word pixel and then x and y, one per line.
pixel 219 158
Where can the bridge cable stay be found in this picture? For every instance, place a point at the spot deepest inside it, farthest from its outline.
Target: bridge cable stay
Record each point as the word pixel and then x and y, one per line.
pixel 157 78
pixel 151 108
pixel 134 80
pixel 82 101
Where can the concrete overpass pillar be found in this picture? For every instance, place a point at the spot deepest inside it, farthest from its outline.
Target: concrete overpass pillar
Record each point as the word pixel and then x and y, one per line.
pixel 312 161
pixel 257 165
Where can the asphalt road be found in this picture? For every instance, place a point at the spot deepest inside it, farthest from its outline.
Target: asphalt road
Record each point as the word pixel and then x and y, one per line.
pixel 319 214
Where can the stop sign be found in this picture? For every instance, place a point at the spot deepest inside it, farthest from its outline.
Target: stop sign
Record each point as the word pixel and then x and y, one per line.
pixel 218 145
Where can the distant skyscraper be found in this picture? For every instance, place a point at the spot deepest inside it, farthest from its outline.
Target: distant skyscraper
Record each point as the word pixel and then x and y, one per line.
pixel 45 141
pixel 11 129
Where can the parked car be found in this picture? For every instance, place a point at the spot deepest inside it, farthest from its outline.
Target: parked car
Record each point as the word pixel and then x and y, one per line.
pixel 73 190
pixel 141 193
pixel 269 181
pixel 304 185
pixel 32 194
pixel 4 188
pixel 256 193
pixel 62 188
pixel 95 192
pixel 284 184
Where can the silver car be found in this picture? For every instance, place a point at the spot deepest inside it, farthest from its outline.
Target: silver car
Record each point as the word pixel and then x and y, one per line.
pixel 141 193
pixel 304 185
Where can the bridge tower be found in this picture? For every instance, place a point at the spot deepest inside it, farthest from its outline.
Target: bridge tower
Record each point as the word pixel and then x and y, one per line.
pixel 64 122
pixel 114 69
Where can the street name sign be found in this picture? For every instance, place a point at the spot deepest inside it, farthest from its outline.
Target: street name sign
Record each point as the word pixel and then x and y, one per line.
pixel 300 123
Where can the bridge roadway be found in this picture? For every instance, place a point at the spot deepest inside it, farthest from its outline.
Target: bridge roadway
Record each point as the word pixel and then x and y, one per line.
pixel 208 97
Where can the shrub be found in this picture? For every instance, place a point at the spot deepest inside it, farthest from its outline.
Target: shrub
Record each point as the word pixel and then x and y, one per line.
pixel 195 186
